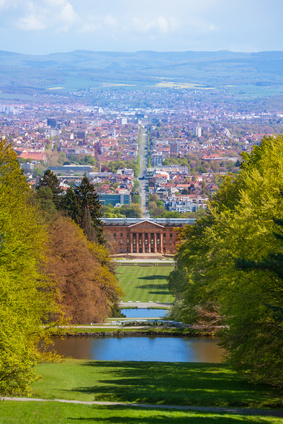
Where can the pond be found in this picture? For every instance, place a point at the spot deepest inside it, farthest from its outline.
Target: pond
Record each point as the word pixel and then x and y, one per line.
pixel 156 348
pixel 144 313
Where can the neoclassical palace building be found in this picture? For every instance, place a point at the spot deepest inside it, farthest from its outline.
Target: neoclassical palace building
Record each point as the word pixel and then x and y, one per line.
pixel 141 235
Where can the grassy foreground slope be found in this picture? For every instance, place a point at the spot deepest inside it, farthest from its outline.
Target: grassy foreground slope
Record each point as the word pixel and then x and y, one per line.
pixel 58 413
pixel 152 383
pixel 139 382
pixel 145 283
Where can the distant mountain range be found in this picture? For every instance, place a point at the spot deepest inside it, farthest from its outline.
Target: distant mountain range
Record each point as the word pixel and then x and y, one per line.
pixel 87 69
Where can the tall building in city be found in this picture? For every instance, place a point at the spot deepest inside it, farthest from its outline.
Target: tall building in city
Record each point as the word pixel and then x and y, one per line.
pixel 174 148
pixel 51 122
pixel 198 131
pixel 123 121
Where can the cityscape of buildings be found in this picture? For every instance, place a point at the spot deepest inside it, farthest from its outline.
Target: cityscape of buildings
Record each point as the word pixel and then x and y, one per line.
pixel 190 144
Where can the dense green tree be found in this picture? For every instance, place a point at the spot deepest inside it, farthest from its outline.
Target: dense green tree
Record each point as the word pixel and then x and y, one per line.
pixel 49 179
pixel 241 226
pixel 88 208
pixel 83 206
pixel 131 211
pixel 27 300
pixel 70 204
pixel 45 198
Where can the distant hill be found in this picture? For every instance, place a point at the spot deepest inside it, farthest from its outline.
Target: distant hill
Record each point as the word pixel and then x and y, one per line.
pixel 87 69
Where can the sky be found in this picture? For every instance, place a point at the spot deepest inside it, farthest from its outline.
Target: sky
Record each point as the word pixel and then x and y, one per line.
pixel 49 26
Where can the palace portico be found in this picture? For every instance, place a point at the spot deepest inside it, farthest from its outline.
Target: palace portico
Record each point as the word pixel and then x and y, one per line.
pixel 144 236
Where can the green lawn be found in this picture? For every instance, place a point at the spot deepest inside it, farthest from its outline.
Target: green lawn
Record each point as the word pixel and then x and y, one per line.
pixel 145 283
pixel 151 382
pixel 139 382
pixel 58 413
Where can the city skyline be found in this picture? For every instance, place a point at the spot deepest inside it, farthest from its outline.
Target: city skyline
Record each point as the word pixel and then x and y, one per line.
pixel 49 26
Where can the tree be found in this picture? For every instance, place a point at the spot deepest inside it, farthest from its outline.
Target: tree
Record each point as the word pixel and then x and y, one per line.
pixel 240 226
pixel 131 211
pixel 49 179
pixel 88 206
pixel 83 206
pixel 82 272
pixel 27 300
pixel 45 198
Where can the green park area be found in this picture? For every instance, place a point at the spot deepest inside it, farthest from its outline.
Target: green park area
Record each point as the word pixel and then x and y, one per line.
pixel 145 283
pixel 150 383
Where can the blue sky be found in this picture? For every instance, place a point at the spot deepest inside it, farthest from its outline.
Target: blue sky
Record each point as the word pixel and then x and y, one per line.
pixel 47 26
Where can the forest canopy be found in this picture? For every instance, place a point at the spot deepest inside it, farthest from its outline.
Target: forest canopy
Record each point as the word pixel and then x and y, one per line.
pixel 27 297
pixel 50 269
pixel 228 265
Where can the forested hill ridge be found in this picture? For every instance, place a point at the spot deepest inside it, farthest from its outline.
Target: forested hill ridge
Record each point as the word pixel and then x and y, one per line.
pixel 83 69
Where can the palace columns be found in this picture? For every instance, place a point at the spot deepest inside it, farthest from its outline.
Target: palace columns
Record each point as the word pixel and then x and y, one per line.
pixel 131 243
pixel 143 249
pixel 155 244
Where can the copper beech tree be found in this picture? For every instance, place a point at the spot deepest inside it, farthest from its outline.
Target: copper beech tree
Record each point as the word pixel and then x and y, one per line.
pixel 82 273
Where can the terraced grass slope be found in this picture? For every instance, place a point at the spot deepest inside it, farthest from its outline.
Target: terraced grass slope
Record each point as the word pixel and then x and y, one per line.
pixel 145 283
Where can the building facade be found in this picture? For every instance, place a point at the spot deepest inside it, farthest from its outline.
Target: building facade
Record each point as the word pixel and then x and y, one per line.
pixel 115 198
pixel 144 236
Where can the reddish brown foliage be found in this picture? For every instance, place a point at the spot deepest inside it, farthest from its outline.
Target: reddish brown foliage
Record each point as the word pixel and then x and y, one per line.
pixel 87 288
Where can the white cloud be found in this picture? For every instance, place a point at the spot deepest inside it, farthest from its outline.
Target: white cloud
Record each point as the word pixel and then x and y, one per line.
pixel 31 23
pixel 68 16
pixel 200 26
pixel 160 24
pixel 109 20
pixel 3 3
pixel 89 27
pixel 47 14
pixel 95 23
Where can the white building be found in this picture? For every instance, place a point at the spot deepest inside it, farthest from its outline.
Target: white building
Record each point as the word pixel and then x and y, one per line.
pixel 198 131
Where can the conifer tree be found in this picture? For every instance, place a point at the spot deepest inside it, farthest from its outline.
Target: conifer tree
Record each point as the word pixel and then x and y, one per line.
pixel 49 179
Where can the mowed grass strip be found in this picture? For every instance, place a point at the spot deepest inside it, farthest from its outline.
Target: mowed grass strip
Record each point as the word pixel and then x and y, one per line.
pixel 196 384
pixel 58 413
pixel 145 283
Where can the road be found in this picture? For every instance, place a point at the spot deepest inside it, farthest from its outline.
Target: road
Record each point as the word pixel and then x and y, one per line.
pixel 143 183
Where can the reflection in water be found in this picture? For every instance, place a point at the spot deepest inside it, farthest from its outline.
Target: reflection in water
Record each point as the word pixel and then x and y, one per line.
pixel 162 349
pixel 144 313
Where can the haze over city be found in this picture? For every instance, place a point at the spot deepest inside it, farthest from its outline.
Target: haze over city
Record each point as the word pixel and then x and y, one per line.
pixel 50 26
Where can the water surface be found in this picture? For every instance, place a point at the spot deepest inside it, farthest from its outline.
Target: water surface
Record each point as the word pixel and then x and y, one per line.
pixel 163 349
pixel 144 313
